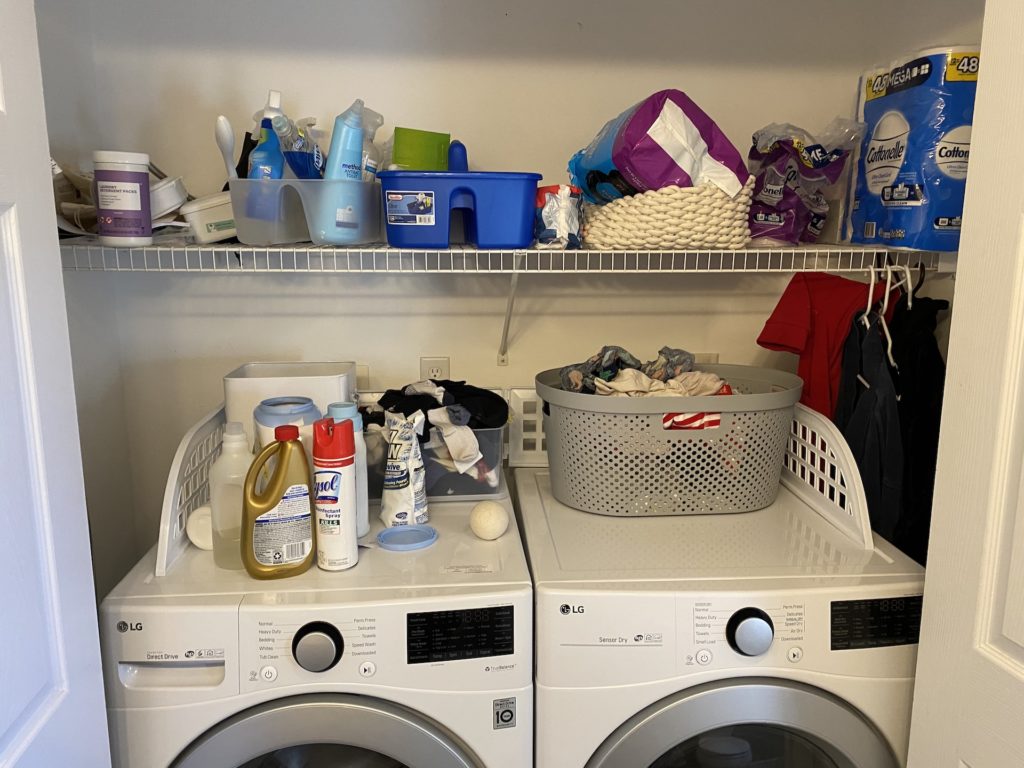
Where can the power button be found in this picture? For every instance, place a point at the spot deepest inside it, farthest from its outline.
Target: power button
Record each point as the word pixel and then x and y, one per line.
pixel 703 657
pixel 269 673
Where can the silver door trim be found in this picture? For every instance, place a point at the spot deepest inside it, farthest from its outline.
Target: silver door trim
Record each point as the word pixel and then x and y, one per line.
pixel 359 721
pixel 832 725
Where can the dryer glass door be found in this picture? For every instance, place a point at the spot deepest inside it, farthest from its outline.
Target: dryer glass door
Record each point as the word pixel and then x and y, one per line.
pixel 327 731
pixel 747 723
pixel 763 746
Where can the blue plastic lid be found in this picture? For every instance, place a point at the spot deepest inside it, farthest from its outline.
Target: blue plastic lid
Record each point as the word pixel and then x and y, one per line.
pixel 407 537
pixel 276 411
pixel 342 411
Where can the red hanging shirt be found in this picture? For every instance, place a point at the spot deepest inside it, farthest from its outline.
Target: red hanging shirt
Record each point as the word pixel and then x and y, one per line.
pixel 812 320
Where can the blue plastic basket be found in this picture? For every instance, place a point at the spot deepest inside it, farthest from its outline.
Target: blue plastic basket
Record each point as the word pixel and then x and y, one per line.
pixel 498 208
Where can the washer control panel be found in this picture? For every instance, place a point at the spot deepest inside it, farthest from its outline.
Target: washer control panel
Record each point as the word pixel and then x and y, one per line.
pixel 472 644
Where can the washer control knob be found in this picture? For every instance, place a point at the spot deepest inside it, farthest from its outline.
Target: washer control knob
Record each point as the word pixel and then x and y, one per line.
pixel 317 646
pixel 750 631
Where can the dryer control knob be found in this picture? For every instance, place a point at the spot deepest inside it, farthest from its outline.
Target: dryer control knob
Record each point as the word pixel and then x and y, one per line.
pixel 750 631
pixel 317 646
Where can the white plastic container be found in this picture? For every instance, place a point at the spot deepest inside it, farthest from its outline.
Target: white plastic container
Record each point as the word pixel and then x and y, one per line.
pixel 211 218
pixel 121 192
pixel 227 478
pixel 166 196
pixel 248 385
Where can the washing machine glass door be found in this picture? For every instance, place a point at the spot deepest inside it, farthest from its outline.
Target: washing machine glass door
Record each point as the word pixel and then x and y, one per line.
pixel 327 731
pixel 747 723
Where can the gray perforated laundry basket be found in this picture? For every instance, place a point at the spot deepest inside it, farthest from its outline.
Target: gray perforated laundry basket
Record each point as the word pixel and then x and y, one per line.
pixel 670 455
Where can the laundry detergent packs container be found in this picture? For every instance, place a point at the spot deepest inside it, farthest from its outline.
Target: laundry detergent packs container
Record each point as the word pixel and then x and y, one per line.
pixel 670 455
pixel 498 208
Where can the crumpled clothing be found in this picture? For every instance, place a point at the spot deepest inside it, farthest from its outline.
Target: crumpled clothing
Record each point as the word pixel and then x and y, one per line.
pixel 458 438
pixel 486 409
pixel 428 387
pixel 580 377
pixel 670 364
pixel 606 365
pixel 631 383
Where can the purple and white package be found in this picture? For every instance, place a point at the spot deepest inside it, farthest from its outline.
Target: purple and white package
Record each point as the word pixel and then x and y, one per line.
pixel 665 140
pixel 793 173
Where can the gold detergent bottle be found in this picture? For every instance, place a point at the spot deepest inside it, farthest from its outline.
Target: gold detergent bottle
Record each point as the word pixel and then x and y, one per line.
pixel 277 524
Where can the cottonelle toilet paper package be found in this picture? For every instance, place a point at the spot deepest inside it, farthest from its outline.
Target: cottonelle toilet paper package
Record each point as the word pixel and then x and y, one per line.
pixel 912 169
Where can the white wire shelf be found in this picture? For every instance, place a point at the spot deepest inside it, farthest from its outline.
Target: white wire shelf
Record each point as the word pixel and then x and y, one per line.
pixel 178 255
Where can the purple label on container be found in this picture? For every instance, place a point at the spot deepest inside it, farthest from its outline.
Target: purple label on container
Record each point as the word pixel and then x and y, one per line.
pixel 122 203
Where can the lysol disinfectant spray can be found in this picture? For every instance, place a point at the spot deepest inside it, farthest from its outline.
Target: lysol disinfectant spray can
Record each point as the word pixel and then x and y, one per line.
pixel 334 482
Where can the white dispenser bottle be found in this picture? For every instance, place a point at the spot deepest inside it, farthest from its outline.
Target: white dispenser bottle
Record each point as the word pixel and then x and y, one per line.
pixel 350 411
pixel 227 478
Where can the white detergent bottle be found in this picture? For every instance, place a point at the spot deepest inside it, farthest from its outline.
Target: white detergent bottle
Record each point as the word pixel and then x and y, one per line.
pixel 350 411
pixel 227 477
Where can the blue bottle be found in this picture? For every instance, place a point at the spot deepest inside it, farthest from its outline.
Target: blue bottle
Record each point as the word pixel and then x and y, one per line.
pixel 345 159
pixel 302 154
pixel 266 160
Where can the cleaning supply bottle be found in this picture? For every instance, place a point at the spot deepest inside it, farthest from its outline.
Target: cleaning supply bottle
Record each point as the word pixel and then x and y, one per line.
pixel 277 524
pixel 345 158
pixel 335 494
pixel 266 161
pixel 227 478
pixel 372 121
pixel 302 154
pixel 350 411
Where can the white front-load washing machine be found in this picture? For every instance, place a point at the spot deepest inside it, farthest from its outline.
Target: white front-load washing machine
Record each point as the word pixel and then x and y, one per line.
pixel 766 639
pixel 417 658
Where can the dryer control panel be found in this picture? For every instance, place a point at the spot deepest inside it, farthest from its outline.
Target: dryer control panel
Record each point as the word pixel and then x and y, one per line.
pixel 601 638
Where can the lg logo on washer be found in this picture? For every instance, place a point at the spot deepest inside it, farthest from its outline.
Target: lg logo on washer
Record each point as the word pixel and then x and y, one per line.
pixel 124 626
pixel 566 609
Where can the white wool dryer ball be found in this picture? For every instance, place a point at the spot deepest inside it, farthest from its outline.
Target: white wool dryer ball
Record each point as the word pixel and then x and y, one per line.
pixel 199 527
pixel 488 520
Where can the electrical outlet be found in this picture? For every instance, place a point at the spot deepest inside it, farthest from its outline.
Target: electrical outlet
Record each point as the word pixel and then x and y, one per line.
pixel 708 358
pixel 435 368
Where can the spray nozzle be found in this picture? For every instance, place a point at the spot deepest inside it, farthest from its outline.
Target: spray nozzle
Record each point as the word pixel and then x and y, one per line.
pixel 371 122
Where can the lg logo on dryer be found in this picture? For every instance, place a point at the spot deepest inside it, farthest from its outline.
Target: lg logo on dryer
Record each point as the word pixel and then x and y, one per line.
pixel 124 626
pixel 566 609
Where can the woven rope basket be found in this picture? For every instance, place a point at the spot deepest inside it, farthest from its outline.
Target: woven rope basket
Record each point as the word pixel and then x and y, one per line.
pixel 684 218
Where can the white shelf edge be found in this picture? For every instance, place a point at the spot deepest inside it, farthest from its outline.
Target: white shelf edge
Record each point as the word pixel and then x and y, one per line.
pixel 86 255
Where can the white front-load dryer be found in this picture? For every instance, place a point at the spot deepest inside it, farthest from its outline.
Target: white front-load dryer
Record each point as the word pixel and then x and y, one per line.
pixel 420 658
pixel 765 639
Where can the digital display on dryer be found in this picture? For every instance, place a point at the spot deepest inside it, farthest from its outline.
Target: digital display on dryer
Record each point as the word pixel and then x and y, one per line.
pixel 454 635
pixel 876 623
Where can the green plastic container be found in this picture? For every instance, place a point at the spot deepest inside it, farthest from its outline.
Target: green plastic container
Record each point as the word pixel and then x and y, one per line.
pixel 415 150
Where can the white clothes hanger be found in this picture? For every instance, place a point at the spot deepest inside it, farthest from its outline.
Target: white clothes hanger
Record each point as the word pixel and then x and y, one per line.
pixel 910 285
pixel 871 298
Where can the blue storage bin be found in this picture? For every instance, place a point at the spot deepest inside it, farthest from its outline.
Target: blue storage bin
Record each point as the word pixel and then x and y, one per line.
pixel 498 208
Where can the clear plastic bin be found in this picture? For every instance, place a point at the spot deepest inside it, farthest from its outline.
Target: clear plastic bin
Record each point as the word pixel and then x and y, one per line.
pixel 280 211
pixel 443 481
